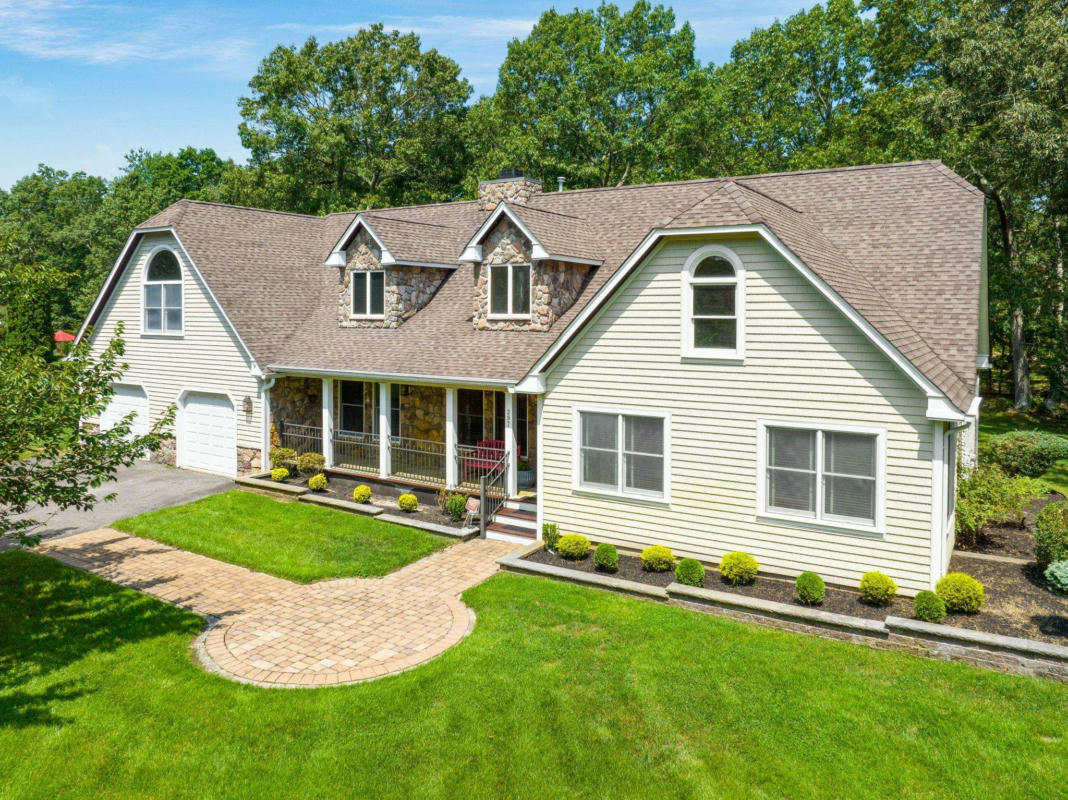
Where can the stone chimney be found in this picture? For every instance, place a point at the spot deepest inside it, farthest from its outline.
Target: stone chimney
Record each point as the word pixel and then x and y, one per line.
pixel 512 186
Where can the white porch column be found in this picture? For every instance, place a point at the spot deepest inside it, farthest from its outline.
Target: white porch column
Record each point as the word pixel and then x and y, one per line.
pixel 450 437
pixel 384 405
pixel 540 474
pixel 328 421
pixel 512 481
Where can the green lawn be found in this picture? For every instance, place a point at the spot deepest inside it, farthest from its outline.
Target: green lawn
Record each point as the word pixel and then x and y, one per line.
pixel 1001 417
pixel 559 691
pixel 291 540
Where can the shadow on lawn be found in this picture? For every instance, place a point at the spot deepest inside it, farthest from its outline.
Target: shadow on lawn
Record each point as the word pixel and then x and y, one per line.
pixel 54 616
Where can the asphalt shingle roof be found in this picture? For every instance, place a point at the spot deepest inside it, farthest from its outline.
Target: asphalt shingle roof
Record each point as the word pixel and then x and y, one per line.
pixel 901 243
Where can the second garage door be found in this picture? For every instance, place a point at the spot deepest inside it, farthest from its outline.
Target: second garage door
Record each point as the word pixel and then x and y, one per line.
pixel 207 439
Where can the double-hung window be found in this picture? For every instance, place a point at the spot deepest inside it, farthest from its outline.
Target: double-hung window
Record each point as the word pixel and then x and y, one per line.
pixel 368 293
pixel 622 453
pixel 713 304
pixel 509 290
pixel 823 474
pixel 163 294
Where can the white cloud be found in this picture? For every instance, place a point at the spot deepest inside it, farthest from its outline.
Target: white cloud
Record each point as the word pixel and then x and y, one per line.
pixel 26 98
pixel 444 26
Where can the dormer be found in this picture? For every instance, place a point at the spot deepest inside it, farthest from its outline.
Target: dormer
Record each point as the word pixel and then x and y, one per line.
pixel 388 269
pixel 529 266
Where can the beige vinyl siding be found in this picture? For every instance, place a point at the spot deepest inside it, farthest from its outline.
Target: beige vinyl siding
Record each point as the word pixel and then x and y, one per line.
pixel 208 357
pixel 804 361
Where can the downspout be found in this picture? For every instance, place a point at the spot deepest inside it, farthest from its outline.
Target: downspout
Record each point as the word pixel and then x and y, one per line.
pixel 266 384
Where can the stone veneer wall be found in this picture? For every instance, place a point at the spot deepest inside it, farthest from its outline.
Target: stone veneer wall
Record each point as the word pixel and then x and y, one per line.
pixel 408 289
pixel 248 459
pixel 423 412
pixel 513 190
pixel 555 285
pixel 297 401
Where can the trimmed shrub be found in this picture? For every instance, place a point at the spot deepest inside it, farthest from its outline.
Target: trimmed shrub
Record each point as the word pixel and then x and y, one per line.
pixel 928 606
pixel 810 589
pixel 657 559
pixel 877 589
pixel 456 506
pixel 283 456
pixel 1057 577
pixel 317 483
pixel 1027 453
pixel 690 571
pixel 574 546
pixel 739 568
pixel 1051 534
pixel 361 494
pixel 986 496
pixel 408 502
pixel 550 534
pixel 279 474
pixel 310 463
pixel 606 557
pixel 960 592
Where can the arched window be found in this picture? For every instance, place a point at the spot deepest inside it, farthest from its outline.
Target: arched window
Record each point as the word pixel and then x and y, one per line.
pixel 163 293
pixel 713 304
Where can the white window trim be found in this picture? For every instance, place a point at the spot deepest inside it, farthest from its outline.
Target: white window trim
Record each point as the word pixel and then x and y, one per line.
pixel 734 354
pixel 819 521
pixel 352 293
pixel 511 277
pixel 145 332
pixel 658 498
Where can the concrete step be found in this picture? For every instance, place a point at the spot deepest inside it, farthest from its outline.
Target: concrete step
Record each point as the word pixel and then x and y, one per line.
pixel 528 504
pixel 521 519
pixel 497 530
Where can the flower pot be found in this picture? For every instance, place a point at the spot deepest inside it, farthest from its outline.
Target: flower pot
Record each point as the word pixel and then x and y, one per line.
pixel 526 478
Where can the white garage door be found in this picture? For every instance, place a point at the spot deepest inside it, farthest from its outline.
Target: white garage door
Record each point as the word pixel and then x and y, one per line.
pixel 127 400
pixel 208 439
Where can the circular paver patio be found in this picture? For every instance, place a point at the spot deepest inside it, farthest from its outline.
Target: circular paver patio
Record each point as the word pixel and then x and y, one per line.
pixel 276 633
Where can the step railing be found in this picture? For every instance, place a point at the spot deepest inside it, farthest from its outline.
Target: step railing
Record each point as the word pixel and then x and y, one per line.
pixel 492 490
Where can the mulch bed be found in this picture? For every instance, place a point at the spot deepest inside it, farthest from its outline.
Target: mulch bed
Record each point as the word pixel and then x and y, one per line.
pixel 384 495
pixel 1012 540
pixel 781 590
pixel 1017 601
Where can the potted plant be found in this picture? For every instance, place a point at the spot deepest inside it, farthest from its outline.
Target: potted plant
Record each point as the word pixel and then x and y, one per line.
pixel 526 474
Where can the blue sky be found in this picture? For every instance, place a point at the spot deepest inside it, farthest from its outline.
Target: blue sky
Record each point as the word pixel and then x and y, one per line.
pixel 84 81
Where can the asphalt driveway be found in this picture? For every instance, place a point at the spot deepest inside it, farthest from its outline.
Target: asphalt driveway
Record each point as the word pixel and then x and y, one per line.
pixel 140 488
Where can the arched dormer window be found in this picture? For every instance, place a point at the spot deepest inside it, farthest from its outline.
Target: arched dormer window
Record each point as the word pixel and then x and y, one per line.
pixel 163 293
pixel 713 304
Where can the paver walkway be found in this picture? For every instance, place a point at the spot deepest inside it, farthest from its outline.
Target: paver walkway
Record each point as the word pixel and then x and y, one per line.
pixel 273 632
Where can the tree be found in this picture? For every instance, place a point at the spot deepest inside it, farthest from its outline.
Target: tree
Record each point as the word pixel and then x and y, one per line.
pixel 1001 88
pixel 368 121
pixel 596 96
pixel 44 457
pixel 795 87
pixel 47 221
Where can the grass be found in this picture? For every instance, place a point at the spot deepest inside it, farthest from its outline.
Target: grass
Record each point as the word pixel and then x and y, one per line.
pixel 559 691
pixel 998 416
pixel 291 540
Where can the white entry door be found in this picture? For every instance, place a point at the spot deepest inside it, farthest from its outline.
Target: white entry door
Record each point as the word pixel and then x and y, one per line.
pixel 127 399
pixel 207 436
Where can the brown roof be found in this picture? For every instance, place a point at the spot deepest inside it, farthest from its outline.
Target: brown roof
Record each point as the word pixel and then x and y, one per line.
pixel 901 243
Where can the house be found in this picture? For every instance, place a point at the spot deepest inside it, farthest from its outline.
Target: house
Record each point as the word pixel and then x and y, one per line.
pixel 784 364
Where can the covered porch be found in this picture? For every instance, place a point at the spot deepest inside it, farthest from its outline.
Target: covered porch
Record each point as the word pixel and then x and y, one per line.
pixel 428 435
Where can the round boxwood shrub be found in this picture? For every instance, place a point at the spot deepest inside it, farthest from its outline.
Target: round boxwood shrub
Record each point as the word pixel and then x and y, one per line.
pixel 408 502
pixel 310 463
pixel 657 559
pixel 317 483
pixel 928 606
pixel 1051 534
pixel 960 592
pixel 283 456
pixel 690 571
pixel 739 568
pixel 456 506
pixel 574 546
pixel 1057 577
pixel 279 474
pixel 361 494
pixel 810 589
pixel 877 589
pixel 606 557
pixel 550 534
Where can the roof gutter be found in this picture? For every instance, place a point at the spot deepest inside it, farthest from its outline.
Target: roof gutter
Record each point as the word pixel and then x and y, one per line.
pixel 452 380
